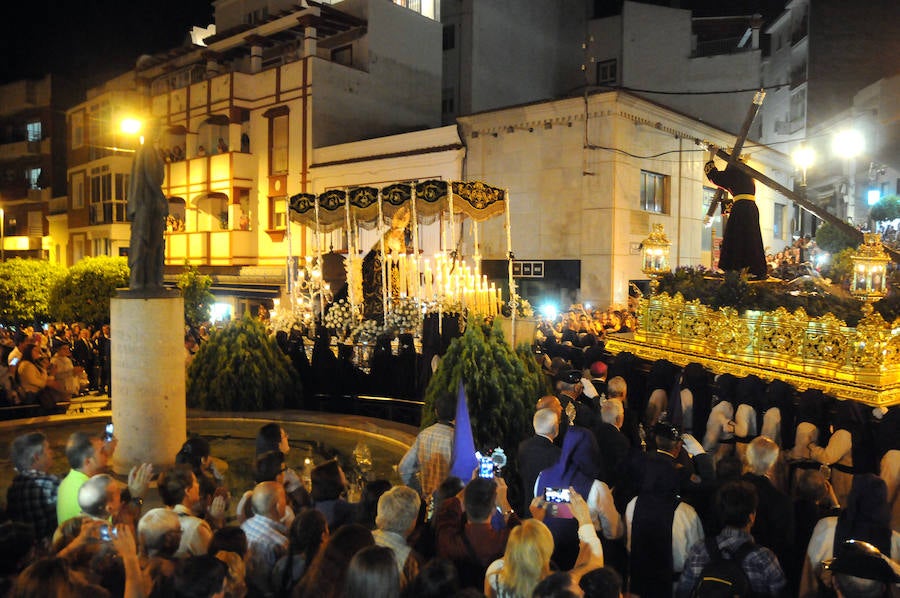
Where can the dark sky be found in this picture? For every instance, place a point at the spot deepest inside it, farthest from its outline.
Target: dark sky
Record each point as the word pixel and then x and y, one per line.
pixel 91 39
pixel 95 39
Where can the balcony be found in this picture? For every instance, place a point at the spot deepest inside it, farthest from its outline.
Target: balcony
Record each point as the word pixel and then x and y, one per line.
pixel 58 205
pixel 19 149
pixel 211 248
pixel 220 172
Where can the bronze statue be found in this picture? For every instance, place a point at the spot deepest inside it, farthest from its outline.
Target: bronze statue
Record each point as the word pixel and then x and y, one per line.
pixel 147 211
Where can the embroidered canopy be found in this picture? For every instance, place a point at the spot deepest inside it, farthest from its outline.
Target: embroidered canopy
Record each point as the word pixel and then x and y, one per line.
pixel 475 199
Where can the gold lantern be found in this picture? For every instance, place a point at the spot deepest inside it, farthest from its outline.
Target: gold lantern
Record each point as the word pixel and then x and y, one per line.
pixel 869 283
pixel 655 256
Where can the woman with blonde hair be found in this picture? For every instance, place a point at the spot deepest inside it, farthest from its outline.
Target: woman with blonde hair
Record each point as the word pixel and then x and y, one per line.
pixel 524 564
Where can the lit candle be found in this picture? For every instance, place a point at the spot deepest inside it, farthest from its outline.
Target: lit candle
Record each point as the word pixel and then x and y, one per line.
pixel 428 282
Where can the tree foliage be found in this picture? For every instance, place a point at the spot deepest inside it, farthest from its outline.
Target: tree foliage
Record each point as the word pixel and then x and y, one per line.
pixel 24 290
pixel 240 368
pixel 832 239
pixel 501 390
pixel 887 208
pixel 197 298
pixel 84 292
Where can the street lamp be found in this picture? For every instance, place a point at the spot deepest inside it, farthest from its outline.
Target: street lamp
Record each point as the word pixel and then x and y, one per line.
pixel 869 282
pixel 655 256
pixel 2 235
pixel 132 126
pixel 849 144
pixel 803 158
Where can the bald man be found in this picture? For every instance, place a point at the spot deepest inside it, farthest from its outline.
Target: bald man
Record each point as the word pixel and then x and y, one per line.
pixel 266 536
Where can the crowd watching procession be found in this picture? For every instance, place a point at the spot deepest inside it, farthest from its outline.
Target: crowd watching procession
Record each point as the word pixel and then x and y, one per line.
pixel 635 480
pixel 49 366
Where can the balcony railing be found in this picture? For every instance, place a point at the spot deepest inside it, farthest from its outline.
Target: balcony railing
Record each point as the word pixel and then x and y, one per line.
pixel 188 178
pixel 211 248
pixel 58 205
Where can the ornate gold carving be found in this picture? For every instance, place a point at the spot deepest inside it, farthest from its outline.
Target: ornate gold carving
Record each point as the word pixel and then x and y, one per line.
pixel 861 363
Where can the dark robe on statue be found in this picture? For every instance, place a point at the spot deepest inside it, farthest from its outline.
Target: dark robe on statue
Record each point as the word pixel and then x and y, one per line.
pixel 742 245
pixel 147 211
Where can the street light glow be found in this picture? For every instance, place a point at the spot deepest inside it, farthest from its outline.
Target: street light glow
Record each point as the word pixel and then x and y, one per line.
pixel 131 126
pixel 804 157
pixel 849 143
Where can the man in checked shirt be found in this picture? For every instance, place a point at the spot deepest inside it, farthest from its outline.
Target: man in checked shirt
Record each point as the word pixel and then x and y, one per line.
pixel 431 453
pixel 736 504
pixel 32 496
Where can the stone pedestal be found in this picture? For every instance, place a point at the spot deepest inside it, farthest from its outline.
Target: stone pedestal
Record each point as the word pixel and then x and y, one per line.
pixel 148 379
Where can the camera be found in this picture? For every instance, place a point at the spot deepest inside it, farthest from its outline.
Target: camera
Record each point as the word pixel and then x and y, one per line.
pixel 108 434
pixel 490 465
pixel 485 467
pixel 557 495
pixel 108 532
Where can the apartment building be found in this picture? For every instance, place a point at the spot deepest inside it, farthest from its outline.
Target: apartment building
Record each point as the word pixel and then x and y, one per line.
pixel 32 163
pixel 238 119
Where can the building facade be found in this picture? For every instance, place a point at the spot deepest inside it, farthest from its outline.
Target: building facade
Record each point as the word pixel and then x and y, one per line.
pixel 32 163
pixel 238 120
pixel 588 181
pixel 822 54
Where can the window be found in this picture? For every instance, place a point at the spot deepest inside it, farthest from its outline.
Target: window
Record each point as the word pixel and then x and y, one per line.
pixel 278 144
pixel 108 196
pixel 277 212
pixel 35 224
pixel 607 72
pixel 77 130
pixel 778 220
pixel 449 37
pixel 798 105
pixel 78 191
pixel 101 247
pixel 447 104
pixel 716 227
pixel 33 131
pixel 343 55
pixel 654 192
pixel 32 176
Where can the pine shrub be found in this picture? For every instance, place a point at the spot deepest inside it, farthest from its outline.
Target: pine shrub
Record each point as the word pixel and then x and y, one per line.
pixel 500 389
pixel 240 368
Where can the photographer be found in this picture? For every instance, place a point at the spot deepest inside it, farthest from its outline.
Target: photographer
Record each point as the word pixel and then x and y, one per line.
pixel 464 532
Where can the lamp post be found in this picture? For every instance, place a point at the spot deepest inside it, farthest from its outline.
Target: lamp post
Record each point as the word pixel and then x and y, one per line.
pixel 2 235
pixel 803 157
pixel 849 144
pixel 869 282
pixel 655 256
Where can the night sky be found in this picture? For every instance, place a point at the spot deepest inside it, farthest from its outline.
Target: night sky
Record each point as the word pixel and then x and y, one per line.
pixel 96 39
pixel 92 39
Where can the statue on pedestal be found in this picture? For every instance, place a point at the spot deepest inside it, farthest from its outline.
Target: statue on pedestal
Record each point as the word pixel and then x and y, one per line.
pixel 147 211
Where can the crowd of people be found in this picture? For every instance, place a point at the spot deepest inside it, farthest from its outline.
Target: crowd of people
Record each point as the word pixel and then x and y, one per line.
pixel 47 367
pixel 649 483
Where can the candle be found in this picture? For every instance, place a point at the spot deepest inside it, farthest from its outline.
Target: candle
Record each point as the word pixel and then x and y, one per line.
pixel 428 282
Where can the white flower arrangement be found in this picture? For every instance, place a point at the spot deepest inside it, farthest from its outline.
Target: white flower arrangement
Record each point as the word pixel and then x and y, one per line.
pixel 287 320
pixel 523 308
pixel 366 331
pixel 403 314
pixel 341 317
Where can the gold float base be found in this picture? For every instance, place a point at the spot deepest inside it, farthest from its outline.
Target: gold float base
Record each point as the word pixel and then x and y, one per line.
pixel 876 396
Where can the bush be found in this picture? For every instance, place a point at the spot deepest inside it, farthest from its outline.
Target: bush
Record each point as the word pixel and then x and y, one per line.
pixel 832 239
pixel 501 391
pixel 84 292
pixel 887 208
pixel 240 368
pixel 197 298
pixel 25 288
